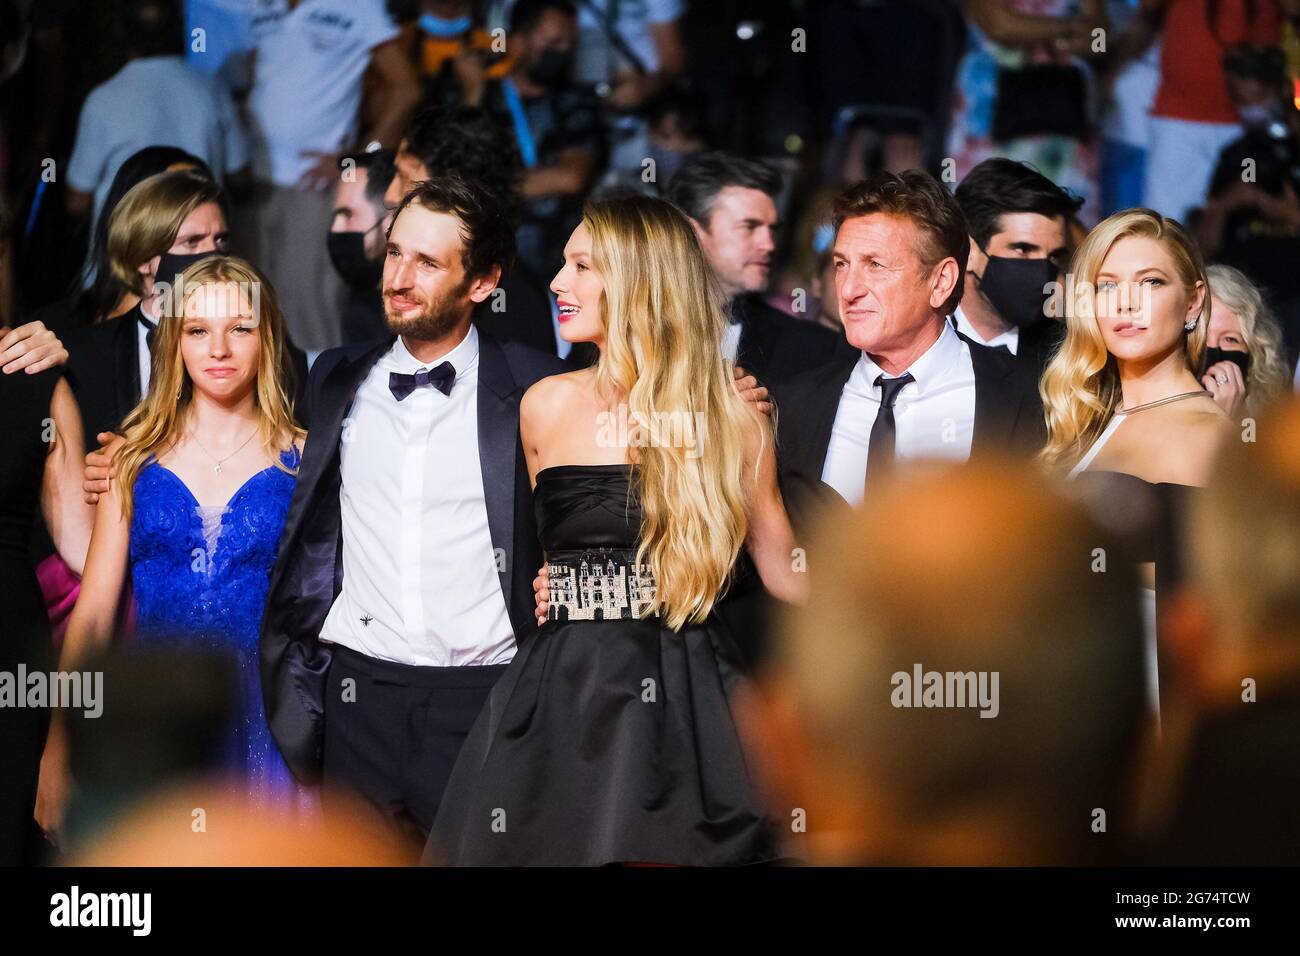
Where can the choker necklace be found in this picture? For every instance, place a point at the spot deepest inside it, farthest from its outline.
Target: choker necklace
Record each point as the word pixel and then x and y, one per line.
pixel 1160 401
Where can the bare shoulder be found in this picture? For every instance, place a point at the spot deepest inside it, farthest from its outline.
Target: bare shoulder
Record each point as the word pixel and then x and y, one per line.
pixel 554 392
pixel 1203 423
pixel 552 400
pixel 1194 444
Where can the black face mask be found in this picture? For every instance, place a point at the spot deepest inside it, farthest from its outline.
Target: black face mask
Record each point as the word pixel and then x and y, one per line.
pixel 172 264
pixel 1015 287
pixel 348 254
pixel 1214 355
pixel 552 68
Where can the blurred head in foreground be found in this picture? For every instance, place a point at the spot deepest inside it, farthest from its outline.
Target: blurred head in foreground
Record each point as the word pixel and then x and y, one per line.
pixel 203 824
pixel 154 783
pixel 1245 540
pixel 1227 787
pixel 964 686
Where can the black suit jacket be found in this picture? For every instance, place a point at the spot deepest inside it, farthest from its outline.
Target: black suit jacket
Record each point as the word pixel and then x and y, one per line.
pixel 1038 343
pixel 104 371
pixel 1008 420
pixel 309 572
pixel 775 347
pixel 525 314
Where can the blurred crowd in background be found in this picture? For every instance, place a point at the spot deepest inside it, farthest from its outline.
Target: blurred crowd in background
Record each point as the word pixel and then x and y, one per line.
pixel 303 124
pixel 1186 106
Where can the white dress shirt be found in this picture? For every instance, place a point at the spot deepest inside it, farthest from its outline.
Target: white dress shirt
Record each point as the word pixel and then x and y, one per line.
pixel 142 355
pixel 731 341
pixel 420 582
pixel 1009 338
pixel 934 415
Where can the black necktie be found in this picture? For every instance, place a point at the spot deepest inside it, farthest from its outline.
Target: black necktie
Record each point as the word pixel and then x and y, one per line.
pixel 880 448
pixel 151 331
pixel 440 378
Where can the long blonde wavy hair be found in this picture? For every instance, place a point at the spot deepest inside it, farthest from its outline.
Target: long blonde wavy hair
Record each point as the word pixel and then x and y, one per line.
pixel 664 318
pixel 161 417
pixel 1270 376
pixel 1080 387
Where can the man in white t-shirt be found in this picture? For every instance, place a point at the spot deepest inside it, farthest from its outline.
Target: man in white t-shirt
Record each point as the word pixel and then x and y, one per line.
pixel 310 58
pixel 651 31
pixel 156 99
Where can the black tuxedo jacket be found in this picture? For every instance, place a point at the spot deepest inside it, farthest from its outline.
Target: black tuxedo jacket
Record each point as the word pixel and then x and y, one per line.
pixel 1038 343
pixel 308 574
pixel 1008 420
pixel 104 371
pixel 775 347
pixel 526 316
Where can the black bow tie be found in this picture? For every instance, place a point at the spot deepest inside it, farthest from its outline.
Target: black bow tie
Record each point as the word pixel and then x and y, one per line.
pixel 440 378
pixel 151 330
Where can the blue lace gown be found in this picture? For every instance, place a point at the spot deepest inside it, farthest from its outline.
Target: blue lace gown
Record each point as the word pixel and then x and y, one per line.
pixel 200 576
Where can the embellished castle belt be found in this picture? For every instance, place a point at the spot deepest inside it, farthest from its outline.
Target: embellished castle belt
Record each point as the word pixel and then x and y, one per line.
pixel 598 584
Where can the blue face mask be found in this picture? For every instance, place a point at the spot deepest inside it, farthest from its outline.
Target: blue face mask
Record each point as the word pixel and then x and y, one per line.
pixel 439 27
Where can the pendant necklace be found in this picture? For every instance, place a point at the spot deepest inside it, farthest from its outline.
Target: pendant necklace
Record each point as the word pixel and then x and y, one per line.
pixel 221 461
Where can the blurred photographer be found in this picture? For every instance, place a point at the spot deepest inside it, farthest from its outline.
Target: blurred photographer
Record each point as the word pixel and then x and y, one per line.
pixel 1252 217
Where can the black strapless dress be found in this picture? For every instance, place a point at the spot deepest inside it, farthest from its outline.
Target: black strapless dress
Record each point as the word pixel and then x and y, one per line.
pixel 1147 517
pixel 608 739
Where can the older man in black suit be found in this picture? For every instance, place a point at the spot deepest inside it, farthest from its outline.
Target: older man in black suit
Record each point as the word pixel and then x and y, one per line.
pixel 912 387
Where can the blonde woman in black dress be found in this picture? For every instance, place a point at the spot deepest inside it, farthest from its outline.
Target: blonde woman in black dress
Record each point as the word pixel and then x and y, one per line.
pixel 610 738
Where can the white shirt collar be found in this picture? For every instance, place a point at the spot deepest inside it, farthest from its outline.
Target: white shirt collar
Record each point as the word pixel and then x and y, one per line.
pixel 930 370
pixel 1009 338
pixel 463 358
pixel 143 356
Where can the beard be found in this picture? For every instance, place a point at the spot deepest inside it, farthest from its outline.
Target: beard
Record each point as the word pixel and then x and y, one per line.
pixel 436 318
